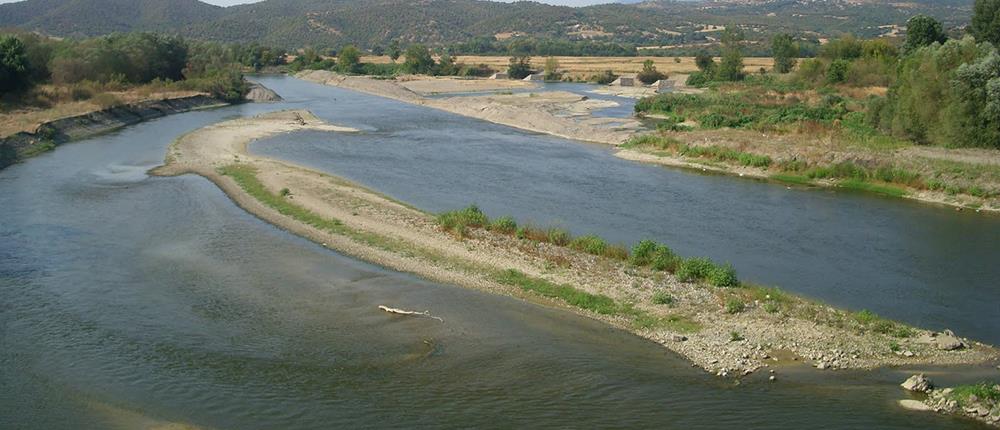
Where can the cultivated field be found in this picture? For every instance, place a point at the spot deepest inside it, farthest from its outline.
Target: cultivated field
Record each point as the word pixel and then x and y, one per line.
pixel 587 66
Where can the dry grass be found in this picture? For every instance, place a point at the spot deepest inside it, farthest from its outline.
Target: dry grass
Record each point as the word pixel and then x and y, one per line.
pixel 51 102
pixel 586 66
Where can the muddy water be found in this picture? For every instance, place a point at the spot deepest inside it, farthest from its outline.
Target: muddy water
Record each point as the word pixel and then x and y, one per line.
pixel 128 301
pixel 923 264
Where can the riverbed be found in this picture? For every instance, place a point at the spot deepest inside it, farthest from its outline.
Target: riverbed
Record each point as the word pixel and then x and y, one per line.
pixel 127 300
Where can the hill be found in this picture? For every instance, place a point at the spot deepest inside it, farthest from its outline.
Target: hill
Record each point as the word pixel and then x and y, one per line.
pixel 367 23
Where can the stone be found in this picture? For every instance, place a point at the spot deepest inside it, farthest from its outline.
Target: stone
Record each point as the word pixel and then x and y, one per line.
pixel 914 405
pixel 678 338
pixel 907 354
pixel 772 378
pixel 918 383
pixel 822 365
pixel 948 342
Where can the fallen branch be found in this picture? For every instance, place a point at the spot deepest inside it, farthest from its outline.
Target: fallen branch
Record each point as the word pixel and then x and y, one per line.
pixel 404 312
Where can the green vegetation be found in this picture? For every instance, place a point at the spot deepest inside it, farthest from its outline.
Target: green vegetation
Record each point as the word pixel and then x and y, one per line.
pixel 785 52
pixel 649 74
pixel 984 391
pixel 869 321
pixel 662 298
pixel 986 21
pixel 735 336
pixel 922 30
pixel 14 72
pixel 519 67
pixel 121 61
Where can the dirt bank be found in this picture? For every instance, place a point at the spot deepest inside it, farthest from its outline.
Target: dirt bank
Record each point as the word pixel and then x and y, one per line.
pixel 768 329
pixel 555 113
pixel 53 133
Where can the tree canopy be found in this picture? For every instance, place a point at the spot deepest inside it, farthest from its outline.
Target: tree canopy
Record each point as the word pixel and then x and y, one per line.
pixel 986 21
pixel 922 30
pixel 13 64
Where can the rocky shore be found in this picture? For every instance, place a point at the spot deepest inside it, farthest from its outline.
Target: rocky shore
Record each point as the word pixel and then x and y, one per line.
pixel 979 401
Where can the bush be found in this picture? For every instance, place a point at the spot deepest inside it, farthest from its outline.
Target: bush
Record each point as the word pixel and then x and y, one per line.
pixel 837 73
pixel 735 306
pixel 558 236
pixel 662 298
pixel 458 221
pixel 590 244
pixel 603 78
pixel 504 224
pixel 694 269
pixel 723 277
pixel 698 79
pixel 649 74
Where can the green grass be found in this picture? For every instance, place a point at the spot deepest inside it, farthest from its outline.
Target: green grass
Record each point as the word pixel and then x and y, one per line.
pixel 246 177
pixel 662 298
pixel 987 391
pixel 459 220
pixel 735 306
pixel 857 184
pixel 869 321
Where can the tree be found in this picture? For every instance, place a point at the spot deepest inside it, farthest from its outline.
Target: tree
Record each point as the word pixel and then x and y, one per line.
pixel 976 87
pixel 986 21
pixel 649 74
pixel 922 30
pixel 785 52
pixel 446 65
pixel 393 51
pixel 378 51
pixel 520 67
pixel 705 62
pixel 837 73
pixel 552 69
pixel 349 59
pixel 418 60
pixel 731 66
pixel 13 64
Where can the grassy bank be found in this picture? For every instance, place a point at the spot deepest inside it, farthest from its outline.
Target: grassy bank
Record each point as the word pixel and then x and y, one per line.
pixel 246 177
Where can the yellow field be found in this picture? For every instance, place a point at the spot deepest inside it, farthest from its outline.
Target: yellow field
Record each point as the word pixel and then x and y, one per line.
pixel 587 66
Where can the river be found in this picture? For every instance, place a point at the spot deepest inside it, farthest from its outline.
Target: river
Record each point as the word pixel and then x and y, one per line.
pixel 128 301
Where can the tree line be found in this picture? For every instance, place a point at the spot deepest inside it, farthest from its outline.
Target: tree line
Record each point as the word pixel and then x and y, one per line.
pixel 27 60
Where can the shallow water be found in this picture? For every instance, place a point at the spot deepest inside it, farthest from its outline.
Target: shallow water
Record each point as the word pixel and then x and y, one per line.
pixel 123 295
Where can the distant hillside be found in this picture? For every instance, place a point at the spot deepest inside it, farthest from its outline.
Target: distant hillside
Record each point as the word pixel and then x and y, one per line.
pixel 330 23
pixel 96 17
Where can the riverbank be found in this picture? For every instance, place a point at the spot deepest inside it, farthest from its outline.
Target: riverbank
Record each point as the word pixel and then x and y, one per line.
pixel 726 331
pixel 52 133
pixel 557 113
pixel 959 178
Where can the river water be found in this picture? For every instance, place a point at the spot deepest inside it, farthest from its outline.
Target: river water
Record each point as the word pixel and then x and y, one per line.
pixel 127 301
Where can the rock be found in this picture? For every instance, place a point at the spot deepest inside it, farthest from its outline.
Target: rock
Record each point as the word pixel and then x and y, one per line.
pixel 678 338
pixel 772 378
pixel 918 383
pixel 907 354
pixel 914 405
pixel 948 342
pixel 822 365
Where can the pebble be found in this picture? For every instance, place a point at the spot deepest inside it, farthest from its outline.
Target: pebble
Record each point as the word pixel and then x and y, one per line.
pixel 772 378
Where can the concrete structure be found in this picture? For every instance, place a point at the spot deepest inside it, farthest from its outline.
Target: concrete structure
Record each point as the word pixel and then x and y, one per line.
pixel 624 81
pixel 535 77
pixel 500 75
pixel 663 86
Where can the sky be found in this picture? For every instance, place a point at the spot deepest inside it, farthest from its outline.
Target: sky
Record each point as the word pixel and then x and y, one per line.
pixel 559 2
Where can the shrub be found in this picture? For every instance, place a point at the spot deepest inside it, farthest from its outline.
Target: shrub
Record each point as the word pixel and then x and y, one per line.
pixel 504 224
pixel 694 269
pixel 735 306
pixel 649 74
pixel 837 73
pixel 590 244
pixel 458 221
pixel 723 277
pixel 603 78
pixel 654 255
pixel 558 236
pixel 735 336
pixel 662 298
pixel 285 192
pixel 698 79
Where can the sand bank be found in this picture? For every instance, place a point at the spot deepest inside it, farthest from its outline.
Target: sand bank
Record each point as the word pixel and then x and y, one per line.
pixel 555 113
pixel 359 222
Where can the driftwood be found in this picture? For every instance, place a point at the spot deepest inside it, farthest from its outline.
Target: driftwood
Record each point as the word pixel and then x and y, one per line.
pixel 404 312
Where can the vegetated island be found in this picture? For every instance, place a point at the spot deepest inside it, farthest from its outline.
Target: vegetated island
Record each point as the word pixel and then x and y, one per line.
pixel 692 306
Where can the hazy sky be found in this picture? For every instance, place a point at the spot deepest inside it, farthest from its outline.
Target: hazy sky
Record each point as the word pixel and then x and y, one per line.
pixel 560 2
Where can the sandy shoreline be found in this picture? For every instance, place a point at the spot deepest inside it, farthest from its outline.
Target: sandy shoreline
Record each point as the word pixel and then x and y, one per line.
pixel 385 232
pixel 555 113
